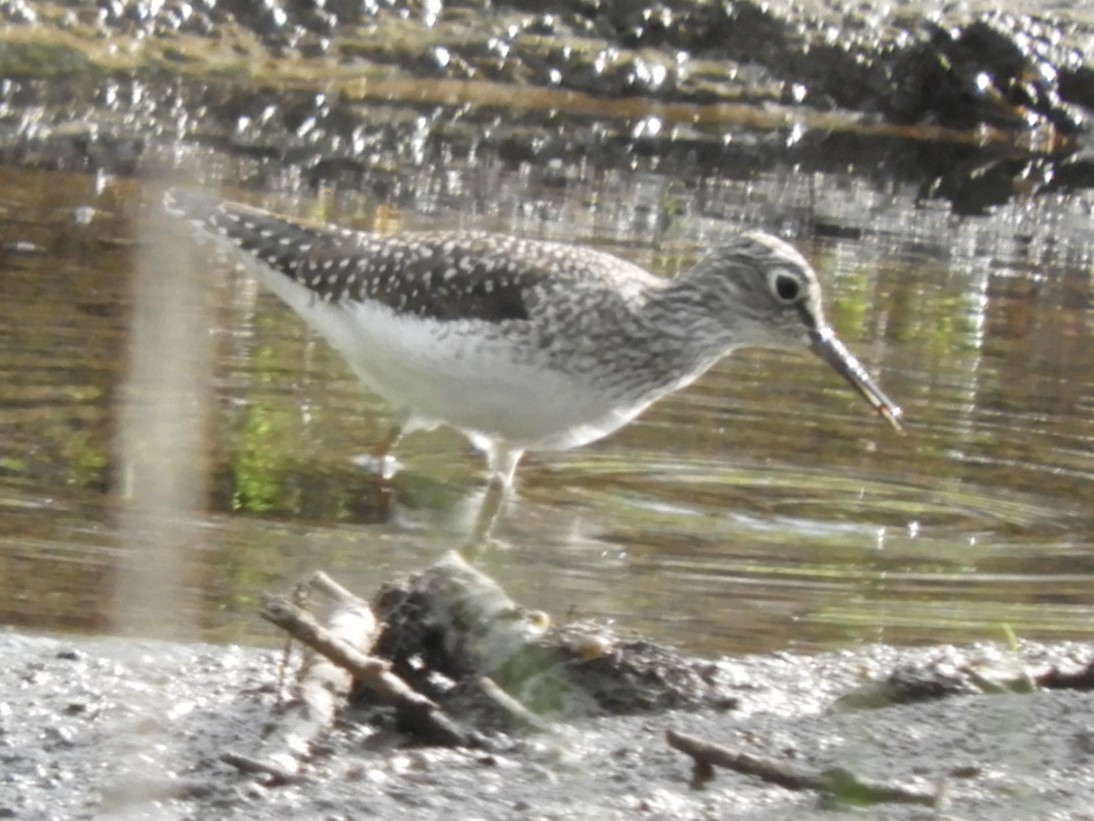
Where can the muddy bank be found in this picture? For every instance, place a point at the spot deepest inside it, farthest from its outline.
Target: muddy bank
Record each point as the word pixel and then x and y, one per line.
pixel 974 105
pixel 137 728
pixel 968 64
pixel 443 696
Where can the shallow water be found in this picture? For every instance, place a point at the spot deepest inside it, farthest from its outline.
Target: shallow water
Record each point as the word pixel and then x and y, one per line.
pixel 765 507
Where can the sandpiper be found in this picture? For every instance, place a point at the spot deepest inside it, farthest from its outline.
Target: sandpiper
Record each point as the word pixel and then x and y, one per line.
pixel 524 344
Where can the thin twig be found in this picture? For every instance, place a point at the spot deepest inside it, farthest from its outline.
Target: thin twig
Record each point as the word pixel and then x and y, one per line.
pixel 324 584
pixel 245 764
pixel 513 708
pixel 304 627
pixel 840 782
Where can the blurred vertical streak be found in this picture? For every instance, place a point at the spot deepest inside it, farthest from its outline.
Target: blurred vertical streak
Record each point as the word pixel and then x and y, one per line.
pixel 162 454
pixel 162 442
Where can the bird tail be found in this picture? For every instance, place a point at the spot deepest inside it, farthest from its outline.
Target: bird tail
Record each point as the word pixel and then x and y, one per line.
pixel 278 242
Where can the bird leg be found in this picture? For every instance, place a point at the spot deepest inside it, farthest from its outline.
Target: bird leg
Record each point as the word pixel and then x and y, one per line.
pixel 490 509
pixel 502 462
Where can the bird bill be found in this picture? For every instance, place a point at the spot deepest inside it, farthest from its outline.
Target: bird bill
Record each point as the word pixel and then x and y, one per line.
pixel 827 346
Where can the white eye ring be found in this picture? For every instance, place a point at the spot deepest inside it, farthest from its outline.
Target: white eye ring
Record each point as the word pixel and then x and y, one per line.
pixel 786 287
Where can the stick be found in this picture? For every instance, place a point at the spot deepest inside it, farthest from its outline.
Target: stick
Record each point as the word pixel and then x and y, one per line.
pixel 417 714
pixel 513 708
pixel 304 627
pixel 323 583
pixel 839 782
pixel 245 764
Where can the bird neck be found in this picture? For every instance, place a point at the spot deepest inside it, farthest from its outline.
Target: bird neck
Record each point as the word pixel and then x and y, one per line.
pixel 686 329
pixel 694 305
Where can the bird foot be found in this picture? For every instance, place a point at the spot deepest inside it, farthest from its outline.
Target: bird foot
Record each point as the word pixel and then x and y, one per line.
pixel 383 466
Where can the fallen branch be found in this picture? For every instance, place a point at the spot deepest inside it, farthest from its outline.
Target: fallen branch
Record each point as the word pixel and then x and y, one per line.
pixel 838 782
pixel 417 714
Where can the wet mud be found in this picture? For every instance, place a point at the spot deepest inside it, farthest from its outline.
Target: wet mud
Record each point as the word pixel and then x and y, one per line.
pixel 137 729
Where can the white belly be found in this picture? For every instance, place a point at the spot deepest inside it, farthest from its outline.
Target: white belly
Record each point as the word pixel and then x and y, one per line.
pixel 451 373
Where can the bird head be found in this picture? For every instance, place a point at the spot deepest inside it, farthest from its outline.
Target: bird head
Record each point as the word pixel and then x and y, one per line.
pixel 771 297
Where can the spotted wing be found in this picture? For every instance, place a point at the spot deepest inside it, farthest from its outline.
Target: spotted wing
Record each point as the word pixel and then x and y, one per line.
pixel 438 276
pixel 442 276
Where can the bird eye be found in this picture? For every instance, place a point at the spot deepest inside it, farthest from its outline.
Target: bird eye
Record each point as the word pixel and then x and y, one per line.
pixel 786 287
